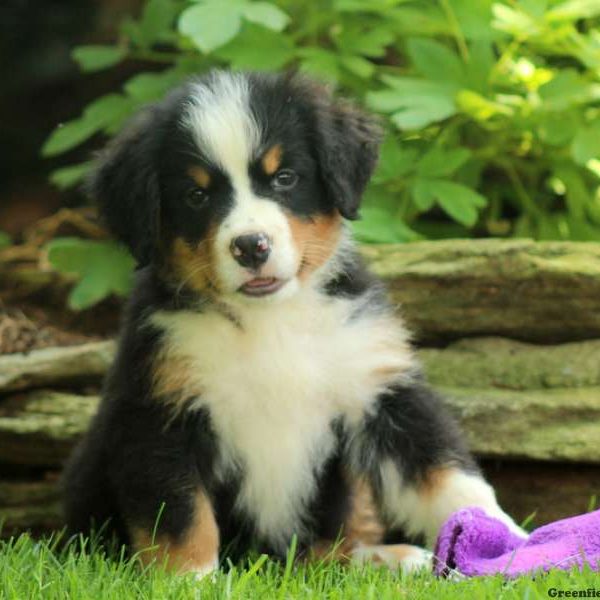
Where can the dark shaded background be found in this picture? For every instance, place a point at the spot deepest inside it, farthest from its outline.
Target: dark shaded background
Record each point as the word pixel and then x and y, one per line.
pixel 41 86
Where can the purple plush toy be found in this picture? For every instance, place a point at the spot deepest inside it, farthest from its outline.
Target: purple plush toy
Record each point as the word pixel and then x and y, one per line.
pixel 474 543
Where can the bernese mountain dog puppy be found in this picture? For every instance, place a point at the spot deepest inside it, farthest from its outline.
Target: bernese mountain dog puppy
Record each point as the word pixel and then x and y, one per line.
pixel 263 387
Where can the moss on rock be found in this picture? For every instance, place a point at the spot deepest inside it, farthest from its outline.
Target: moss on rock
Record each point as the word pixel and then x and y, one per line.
pixel 532 291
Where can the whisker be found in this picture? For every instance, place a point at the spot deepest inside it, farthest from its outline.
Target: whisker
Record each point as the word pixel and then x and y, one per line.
pixel 200 268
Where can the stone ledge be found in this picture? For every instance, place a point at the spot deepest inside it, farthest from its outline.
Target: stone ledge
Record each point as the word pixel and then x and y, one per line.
pixel 61 365
pixel 534 291
pixel 562 424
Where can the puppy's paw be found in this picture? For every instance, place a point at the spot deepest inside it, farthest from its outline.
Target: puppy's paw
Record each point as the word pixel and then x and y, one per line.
pixel 208 572
pixel 512 526
pixel 394 556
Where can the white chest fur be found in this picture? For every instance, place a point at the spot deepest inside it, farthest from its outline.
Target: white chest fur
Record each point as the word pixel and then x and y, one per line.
pixel 273 387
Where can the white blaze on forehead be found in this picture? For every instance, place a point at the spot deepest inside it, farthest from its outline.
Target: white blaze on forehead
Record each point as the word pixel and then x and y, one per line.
pixel 222 122
pixel 223 126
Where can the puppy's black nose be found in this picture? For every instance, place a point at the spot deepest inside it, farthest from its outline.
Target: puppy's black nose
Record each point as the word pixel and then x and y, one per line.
pixel 251 250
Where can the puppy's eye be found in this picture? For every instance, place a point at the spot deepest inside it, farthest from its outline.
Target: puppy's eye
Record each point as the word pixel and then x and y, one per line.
pixel 284 180
pixel 197 198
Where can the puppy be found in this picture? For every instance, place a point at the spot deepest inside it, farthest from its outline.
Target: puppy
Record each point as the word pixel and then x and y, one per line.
pixel 263 386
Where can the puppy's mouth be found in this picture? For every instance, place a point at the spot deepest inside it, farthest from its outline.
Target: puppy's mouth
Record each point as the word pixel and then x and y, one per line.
pixel 262 286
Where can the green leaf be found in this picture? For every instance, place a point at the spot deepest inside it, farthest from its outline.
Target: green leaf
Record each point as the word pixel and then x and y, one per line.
pixel 69 135
pixel 580 229
pixel 574 9
pixel 421 114
pixel 157 20
pixel 435 61
pixel 566 88
pixel 534 8
pixel 210 25
pixel 480 65
pixel 439 162
pixel 266 14
pixel 456 200
pixel 103 268
pixel 558 128
pixel 551 227
pixel 4 239
pixel 107 110
pixel 593 209
pixel 110 111
pixel 355 39
pixel 422 194
pixel 475 19
pixel 378 226
pixel 319 63
pixel 470 173
pixel 258 48
pixel 419 102
pixel 561 226
pixel 514 21
pixel 147 87
pixel 373 6
pixel 480 108
pixel 67 177
pixel 95 58
pixel 577 194
pixel 586 145
pixel 417 86
pixel 394 161
pixel 358 66
pixel 422 18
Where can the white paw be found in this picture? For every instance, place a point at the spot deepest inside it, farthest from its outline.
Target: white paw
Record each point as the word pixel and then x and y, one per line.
pixel 208 570
pixel 512 526
pixel 397 556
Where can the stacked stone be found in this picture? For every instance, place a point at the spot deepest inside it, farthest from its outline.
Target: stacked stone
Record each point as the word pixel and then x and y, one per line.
pixel 508 332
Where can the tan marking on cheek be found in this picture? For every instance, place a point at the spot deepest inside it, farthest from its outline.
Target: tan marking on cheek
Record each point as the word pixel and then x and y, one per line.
pixel 194 267
pixel 200 176
pixel 198 549
pixel 272 160
pixel 316 240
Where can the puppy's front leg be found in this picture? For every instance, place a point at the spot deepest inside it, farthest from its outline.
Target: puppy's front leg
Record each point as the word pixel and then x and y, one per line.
pixel 195 549
pixel 423 506
pixel 420 469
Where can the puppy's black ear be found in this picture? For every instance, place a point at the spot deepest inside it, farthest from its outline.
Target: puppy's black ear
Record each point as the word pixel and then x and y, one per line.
pixel 347 149
pixel 125 184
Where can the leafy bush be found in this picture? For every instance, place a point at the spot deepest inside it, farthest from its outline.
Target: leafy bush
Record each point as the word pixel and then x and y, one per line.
pixel 102 268
pixel 492 109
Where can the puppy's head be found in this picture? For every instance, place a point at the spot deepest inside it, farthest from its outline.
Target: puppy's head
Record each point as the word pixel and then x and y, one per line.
pixel 237 184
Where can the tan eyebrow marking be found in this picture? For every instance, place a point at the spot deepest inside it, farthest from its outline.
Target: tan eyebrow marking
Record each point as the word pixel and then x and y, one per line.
pixel 272 159
pixel 200 176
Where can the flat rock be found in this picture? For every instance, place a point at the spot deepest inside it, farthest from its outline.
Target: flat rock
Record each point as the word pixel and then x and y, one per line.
pixel 31 505
pixel 55 366
pixel 504 364
pixel 548 425
pixel 533 291
pixel 40 428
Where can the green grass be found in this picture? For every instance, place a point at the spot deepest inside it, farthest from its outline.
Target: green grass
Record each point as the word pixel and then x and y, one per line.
pixel 31 569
